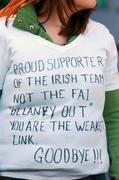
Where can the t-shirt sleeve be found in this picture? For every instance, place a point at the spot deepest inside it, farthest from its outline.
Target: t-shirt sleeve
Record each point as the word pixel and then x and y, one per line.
pixel 111 70
pixel 4 56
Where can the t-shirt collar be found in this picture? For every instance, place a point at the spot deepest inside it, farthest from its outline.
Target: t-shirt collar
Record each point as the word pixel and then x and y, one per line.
pixel 26 19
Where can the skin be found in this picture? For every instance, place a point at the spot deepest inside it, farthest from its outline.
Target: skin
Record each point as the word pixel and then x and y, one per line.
pixel 85 4
pixel 53 25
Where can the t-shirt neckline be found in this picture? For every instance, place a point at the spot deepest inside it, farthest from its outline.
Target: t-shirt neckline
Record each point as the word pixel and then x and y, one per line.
pixel 74 42
pixel 50 44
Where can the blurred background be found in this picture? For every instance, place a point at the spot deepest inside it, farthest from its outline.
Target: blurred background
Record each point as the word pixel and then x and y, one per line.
pixel 107 12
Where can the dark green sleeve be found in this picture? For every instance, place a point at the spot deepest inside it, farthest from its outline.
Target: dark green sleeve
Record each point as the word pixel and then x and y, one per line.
pixel 111 116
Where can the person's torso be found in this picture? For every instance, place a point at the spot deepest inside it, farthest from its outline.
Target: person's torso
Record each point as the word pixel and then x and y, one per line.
pixel 51 106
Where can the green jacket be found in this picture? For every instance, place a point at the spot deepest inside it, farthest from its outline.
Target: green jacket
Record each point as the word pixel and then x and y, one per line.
pixel 26 19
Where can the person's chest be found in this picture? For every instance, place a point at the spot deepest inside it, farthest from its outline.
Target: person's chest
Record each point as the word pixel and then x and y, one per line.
pixel 69 71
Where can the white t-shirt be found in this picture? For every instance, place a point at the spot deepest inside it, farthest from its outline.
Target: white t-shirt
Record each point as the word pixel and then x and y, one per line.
pixel 51 123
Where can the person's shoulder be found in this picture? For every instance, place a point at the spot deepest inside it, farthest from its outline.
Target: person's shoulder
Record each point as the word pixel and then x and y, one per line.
pixel 98 28
pixel 2 23
pixel 103 35
pixel 99 31
pixel 4 27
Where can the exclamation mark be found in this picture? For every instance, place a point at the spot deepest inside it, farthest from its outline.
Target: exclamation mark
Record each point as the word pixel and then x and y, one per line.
pixel 94 156
pixel 100 156
pixel 97 151
pixel 97 156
